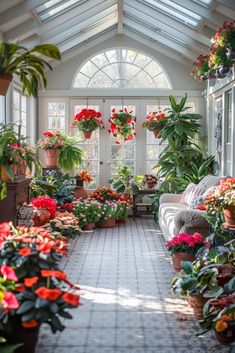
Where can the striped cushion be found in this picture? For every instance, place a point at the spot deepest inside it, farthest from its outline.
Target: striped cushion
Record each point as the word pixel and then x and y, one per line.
pixel 192 191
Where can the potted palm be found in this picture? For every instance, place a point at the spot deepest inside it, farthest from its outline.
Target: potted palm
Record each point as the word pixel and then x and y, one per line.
pixel 26 64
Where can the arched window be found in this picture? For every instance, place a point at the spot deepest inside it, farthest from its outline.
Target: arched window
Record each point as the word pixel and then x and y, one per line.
pixel 121 68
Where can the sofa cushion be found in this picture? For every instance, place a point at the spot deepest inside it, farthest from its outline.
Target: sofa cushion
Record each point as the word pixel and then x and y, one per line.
pixel 210 180
pixel 167 213
pixel 191 192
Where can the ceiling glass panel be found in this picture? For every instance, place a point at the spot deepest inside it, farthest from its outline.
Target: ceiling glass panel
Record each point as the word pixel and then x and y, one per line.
pixel 204 2
pixel 174 10
pixel 55 7
pixel 121 68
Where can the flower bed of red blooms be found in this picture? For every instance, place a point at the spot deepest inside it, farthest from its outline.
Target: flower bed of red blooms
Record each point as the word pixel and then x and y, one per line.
pixel 88 120
pixel 45 202
pixel 104 194
pixel 186 243
pixel 122 125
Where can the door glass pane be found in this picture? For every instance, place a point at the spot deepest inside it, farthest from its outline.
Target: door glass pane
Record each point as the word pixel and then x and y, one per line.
pixel 125 153
pixel 91 146
pixel 56 116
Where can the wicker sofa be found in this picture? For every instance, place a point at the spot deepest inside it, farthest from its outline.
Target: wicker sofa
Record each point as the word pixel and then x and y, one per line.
pixel 175 215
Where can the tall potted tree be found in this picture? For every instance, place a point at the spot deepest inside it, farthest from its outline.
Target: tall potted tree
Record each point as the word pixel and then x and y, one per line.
pixel 26 64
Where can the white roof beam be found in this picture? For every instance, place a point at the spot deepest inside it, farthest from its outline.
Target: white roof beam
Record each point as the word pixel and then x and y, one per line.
pixel 86 35
pixel 120 17
pixel 202 11
pixel 226 11
pixel 22 31
pixel 151 43
pixel 80 25
pixel 169 42
pixel 166 28
pixel 19 10
pixel 72 17
pixel 163 18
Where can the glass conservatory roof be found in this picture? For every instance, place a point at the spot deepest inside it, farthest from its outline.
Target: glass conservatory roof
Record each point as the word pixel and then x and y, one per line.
pixel 179 29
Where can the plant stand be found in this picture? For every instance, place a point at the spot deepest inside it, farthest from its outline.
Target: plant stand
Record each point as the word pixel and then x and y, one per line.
pixel 139 208
pixel 17 194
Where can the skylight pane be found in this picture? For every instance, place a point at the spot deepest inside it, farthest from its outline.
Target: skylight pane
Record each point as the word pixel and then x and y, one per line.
pixel 174 10
pixel 204 2
pixel 54 7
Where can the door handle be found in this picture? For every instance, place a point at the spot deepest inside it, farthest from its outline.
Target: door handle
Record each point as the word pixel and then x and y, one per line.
pixel 101 162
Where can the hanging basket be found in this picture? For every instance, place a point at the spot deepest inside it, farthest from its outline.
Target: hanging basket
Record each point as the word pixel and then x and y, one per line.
pixel 157 133
pixel 87 134
pixel 5 81
pixel 229 216
pixel 230 54
pixel 51 158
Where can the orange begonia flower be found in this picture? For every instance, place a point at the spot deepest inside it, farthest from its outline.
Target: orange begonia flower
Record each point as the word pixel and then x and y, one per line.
pixel 29 282
pixel 52 273
pixel 221 326
pixel 30 324
pixel 72 299
pixel 25 251
pixel 48 294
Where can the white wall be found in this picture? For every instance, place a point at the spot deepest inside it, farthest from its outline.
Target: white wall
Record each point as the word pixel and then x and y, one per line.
pixel 61 77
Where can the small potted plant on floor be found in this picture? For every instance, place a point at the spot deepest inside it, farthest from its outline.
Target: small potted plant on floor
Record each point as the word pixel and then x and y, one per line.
pixel 155 122
pixel 183 247
pixel 45 209
pixel 122 125
pixel 81 178
pixel 87 121
pixel 67 224
pixel 88 212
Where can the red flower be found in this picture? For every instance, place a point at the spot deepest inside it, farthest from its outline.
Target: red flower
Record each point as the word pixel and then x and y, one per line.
pixel 48 294
pixel 9 301
pixel 71 299
pixel 30 324
pixel 20 288
pixel 8 273
pixel 5 229
pixel 52 273
pixel 30 281
pixel 128 120
pixel 24 252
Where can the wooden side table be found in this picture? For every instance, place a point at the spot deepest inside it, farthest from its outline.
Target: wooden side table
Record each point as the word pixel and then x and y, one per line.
pixel 139 208
pixel 17 194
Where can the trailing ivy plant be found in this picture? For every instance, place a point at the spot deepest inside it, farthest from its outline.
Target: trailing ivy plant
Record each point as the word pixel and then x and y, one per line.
pixel 182 160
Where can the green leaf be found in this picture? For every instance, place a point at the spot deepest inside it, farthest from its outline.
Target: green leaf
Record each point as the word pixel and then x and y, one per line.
pixel 187 266
pixel 26 306
pixel 10 348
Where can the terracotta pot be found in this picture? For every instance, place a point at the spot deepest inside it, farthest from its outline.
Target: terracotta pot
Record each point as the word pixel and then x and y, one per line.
pixel 28 336
pixel 157 133
pixel 179 257
pixel 18 170
pixel 197 303
pixel 41 217
pixel 87 134
pixel 5 81
pixel 81 193
pixel 51 158
pixel 230 54
pixel 107 224
pixel 225 337
pixel 4 176
pixel 89 226
pixel 229 215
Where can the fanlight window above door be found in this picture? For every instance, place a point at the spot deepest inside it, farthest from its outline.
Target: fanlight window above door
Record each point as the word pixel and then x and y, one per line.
pixel 121 68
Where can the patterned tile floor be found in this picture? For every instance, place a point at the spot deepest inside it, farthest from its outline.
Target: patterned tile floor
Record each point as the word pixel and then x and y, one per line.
pixel 125 275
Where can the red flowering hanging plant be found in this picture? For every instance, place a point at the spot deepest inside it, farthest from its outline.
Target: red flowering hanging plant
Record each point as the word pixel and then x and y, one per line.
pixel 122 125
pixel 155 122
pixel 225 36
pixel 88 120
pixel 201 68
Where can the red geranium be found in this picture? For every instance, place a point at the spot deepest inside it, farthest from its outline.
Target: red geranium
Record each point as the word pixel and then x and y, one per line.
pixel 188 243
pixel 88 120
pixel 45 202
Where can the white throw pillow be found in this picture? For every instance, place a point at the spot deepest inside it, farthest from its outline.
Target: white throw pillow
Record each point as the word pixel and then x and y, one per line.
pixel 191 192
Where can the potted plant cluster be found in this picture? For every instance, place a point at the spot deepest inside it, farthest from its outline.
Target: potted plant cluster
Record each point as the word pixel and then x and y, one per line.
pixel 221 57
pixel 155 122
pixel 87 121
pixel 26 64
pixel 183 247
pixel 81 178
pixel 43 291
pixel 222 199
pixel 122 125
pixel 88 211
pixel 150 180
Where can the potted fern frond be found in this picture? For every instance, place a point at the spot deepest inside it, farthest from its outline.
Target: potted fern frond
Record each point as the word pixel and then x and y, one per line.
pixel 27 64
